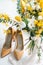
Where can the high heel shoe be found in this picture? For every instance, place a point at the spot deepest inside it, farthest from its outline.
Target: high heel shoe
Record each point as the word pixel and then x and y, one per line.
pixel 18 52
pixel 7 45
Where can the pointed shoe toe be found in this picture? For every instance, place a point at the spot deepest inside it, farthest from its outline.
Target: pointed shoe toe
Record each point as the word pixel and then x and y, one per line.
pixel 5 52
pixel 18 54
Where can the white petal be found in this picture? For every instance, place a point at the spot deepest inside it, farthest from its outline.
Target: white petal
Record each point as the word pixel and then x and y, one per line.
pixel 33 7
pixel 30 25
pixel 22 25
pixel 37 7
pixel 40 17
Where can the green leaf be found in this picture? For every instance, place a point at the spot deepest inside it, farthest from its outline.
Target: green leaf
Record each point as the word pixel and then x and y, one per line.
pixel 26 21
pixel 0 20
pixel 42 33
pixel 32 33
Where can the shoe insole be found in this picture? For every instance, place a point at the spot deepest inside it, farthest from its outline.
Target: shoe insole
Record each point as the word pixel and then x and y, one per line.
pixel 8 41
pixel 19 42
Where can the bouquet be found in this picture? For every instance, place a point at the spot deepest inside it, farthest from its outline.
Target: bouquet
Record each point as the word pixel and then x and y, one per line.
pixel 31 13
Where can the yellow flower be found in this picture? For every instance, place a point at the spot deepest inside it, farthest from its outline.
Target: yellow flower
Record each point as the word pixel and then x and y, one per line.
pixel 7 31
pixel 35 22
pixel 38 0
pixel 41 3
pixel 18 18
pixel 39 24
pixel 29 8
pixel 38 32
pixel 41 13
pixel 23 10
pixel 42 23
pixel 22 4
pixel 25 1
pixel 1 15
pixel 6 17
pixel 37 35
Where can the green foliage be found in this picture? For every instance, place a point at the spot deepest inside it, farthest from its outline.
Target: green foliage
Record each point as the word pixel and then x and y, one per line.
pixel 39 53
pixel 26 21
pixel 26 28
pixel 42 33
pixel 3 20
pixel 31 45
pixel 0 20
pixel 18 6
pixel 32 33
pixel 36 13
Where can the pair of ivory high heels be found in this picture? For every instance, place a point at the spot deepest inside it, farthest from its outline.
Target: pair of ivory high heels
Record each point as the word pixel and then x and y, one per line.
pixel 18 51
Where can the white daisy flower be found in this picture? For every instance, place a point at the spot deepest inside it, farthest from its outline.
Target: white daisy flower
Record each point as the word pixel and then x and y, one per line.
pixel 40 17
pixel 33 7
pixel 37 7
pixel 31 23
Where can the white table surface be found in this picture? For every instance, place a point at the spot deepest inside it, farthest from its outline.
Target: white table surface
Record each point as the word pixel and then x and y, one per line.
pixel 9 7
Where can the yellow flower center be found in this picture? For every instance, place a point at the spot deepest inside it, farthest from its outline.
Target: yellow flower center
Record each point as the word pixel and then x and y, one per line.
pixel 29 8
pixel 18 18
pixel 35 22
